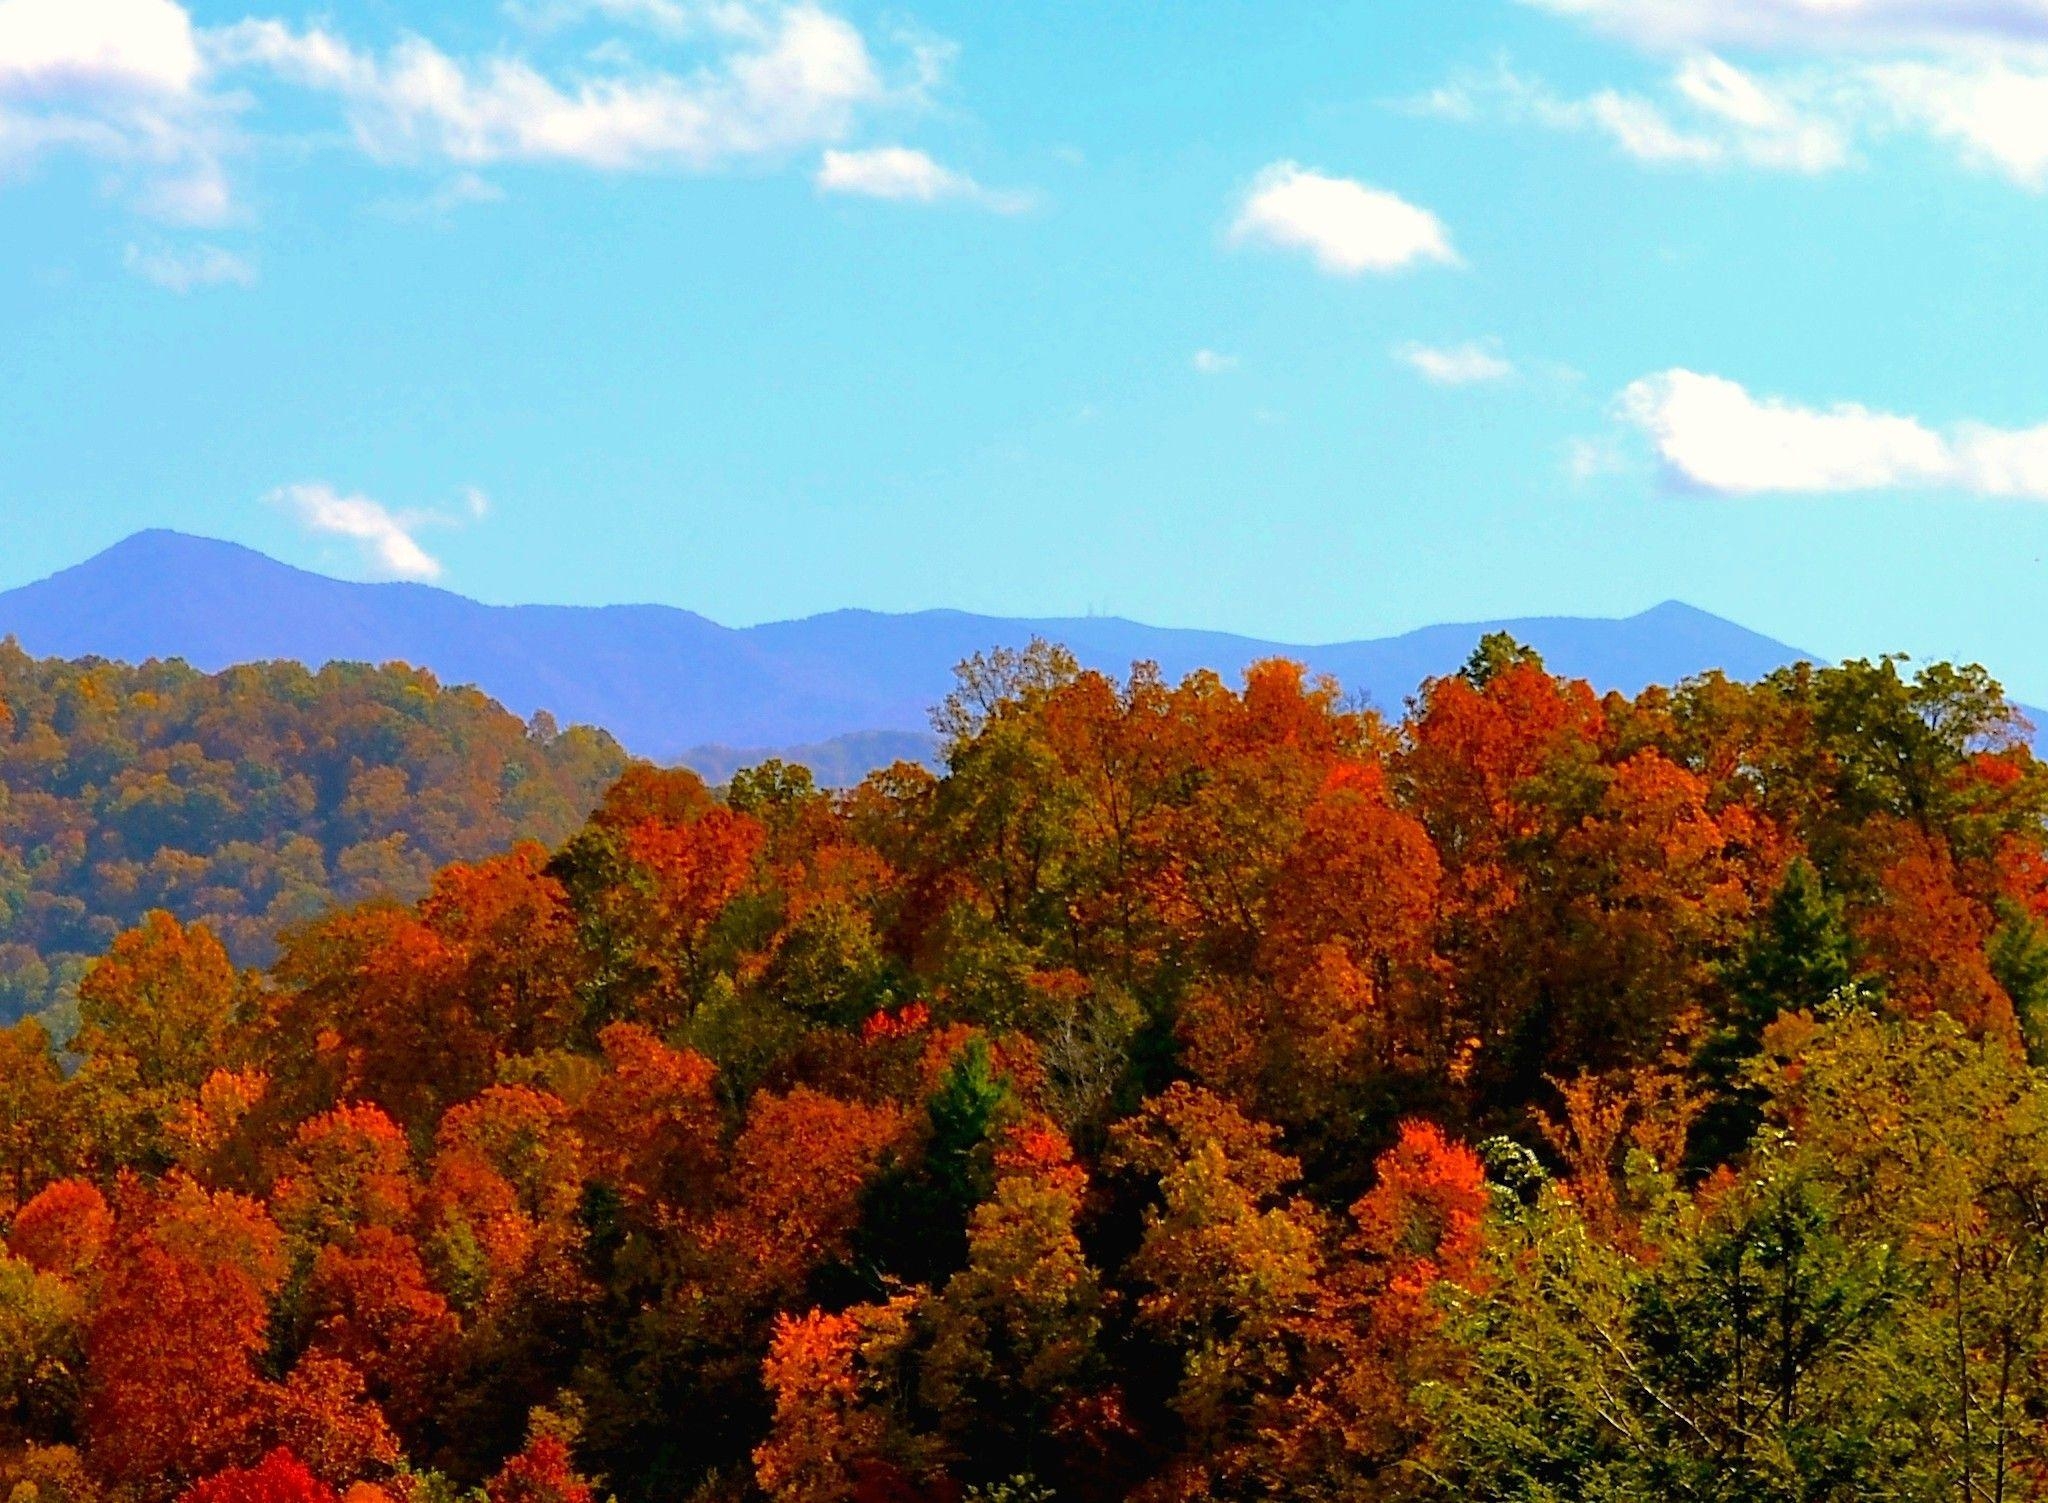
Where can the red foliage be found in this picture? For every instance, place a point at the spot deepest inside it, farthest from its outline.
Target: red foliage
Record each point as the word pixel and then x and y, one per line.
pixel 651 1126
pixel 280 1477
pixel 347 1169
pixel 643 792
pixel 507 927
pixel 323 1415
pixel 799 1169
pixel 64 1229
pixel 889 1027
pixel 693 870
pixel 372 1307
pixel 174 1337
pixel 1425 1217
pixel 542 1473
pixel 1925 939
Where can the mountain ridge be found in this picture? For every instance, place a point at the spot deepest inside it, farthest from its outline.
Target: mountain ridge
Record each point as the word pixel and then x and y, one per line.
pixel 671 683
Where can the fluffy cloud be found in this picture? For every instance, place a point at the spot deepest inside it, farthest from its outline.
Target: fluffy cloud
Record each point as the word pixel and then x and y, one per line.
pixel 384 538
pixel 137 44
pixel 904 175
pixel 183 268
pixel 136 85
pixel 799 81
pixel 1714 435
pixel 1995 112
pixel 1349 228
pixel 1470 364
pixel 120 81
pixel 1812 23
pixel 1213 363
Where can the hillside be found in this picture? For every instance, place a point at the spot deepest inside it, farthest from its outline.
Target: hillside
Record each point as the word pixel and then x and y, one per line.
pixel 1192 1093
pixel 252 799
pixel 674 686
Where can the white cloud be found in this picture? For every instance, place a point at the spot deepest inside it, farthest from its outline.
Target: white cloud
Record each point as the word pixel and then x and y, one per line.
pixel 1971 74
pixel 1470 364
pixel 1827 24
pixel 903 175
pixel 1714 114
pixel 801 79
pixel 1766 124
pixel 183 268
pixel 1213 363
pixel 137 87
pixel 384 538
pixel 144 45
pixel 119 81
pixel 1712 434
pixel 1349 228
pixel 1996 112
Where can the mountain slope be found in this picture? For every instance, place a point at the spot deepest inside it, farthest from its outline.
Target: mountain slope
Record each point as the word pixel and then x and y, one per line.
pixel 669 683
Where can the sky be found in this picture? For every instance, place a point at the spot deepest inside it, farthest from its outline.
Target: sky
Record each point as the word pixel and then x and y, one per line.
pixel 1304 320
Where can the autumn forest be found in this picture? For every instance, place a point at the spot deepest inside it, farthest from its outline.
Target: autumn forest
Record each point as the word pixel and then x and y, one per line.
pixel 1190 1091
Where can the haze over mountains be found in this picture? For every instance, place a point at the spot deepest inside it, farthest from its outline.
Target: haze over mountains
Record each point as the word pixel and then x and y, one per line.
pixel 844 691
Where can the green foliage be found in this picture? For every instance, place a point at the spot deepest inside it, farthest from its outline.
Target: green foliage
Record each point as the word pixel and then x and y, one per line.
pixel 42 1367
pixel 250 800
pixel 774 791
pixel 1497 652
pixel 1798 958
pixel 1847 1319
pixel 2018 953
pixel 914 1225
pixel 1014 1490
pixel 970 1101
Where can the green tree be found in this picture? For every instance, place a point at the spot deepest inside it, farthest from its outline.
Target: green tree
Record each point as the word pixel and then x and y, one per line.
pixel 1497 652
pixel 1798 956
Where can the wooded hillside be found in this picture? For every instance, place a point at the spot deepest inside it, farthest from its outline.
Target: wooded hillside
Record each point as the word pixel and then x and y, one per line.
pixel 250 799
pixel 1193 1093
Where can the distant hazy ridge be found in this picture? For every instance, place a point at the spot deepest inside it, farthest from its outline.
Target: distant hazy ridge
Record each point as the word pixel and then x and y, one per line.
pixel 851 689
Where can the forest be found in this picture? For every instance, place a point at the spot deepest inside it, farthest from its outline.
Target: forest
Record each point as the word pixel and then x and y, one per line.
pixel 250 800
pixel 1191 1091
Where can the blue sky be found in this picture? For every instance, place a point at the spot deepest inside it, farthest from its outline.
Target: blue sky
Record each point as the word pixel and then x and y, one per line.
pixel 1302 320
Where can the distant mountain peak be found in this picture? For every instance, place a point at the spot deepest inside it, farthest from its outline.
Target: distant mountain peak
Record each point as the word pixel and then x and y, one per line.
pixel 847 684
pixel 156 543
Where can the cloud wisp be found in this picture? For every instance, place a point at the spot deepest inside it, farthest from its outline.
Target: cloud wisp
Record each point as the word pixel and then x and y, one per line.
pixel 1348 228
pixel 901 174
pixel 1971 75
pixel 1712 114
pixel 387 541
pixel 1826 25
pixel 1713 435
pixel 1474 363
pixel 186 268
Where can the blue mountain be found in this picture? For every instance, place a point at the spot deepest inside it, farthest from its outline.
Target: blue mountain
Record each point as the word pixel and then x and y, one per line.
pixel 843 691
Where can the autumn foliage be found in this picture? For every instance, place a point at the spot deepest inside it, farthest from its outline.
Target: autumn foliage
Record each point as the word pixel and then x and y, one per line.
pixel 1193 1092
pixel 250 800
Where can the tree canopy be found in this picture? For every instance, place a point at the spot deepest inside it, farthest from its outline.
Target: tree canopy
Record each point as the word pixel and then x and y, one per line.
pixel 250 800
pixel 1192 1092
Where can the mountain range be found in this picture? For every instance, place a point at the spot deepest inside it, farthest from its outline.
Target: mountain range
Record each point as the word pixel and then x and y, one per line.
pixel 843 692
